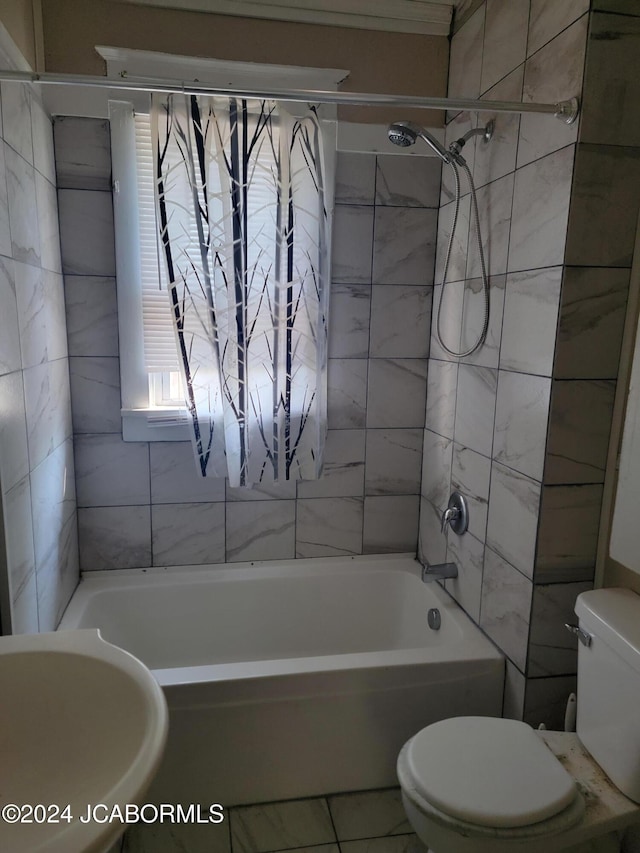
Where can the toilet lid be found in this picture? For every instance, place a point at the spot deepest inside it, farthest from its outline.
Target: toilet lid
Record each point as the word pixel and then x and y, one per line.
pixel 487 771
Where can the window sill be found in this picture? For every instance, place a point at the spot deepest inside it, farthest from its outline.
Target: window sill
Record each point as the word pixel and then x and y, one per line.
pixel 155 424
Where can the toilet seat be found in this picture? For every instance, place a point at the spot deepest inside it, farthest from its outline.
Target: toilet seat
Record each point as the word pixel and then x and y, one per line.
pixel 494 776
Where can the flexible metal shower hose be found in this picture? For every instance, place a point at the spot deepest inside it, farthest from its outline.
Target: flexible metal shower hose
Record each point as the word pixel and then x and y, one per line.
pixel 485 281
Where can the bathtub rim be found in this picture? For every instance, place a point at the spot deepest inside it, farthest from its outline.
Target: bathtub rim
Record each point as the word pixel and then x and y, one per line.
pixel 474 645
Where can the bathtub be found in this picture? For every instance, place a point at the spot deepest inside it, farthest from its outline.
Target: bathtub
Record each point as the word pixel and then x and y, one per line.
pixel 291 679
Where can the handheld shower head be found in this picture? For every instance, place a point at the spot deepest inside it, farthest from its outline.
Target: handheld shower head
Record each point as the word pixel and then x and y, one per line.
pixel 405 133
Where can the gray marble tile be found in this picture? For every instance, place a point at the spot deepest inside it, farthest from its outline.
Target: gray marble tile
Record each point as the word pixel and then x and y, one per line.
pixel 514 692
pixel 432 542
pixel 175 477
pixel 497 158
pixel 352 243
pixel 95 394
pixel 391 524
pixel 42 132
pixel 494 210
pixel 14 456
pixel 391 844
pixel 343 469
pixel 9 336
pixel 505 39
pixel 404 245
pixel 548 18
pixel 177 838
pixel 393 461
pixel 369 813
pixel 551 75
pixel 47 407
pixel 18 536
pixel 187 534
pixel 83 153
pixel 347 393
pixel 55 534
pixel 355 178
pixel 622 7
pixel 442 386
pixel 329 527
pixel 579 428
pixel 606 186
pixel 552 649
pixel 21 198
pixel 279 826
pixel 446 320
pixel 349 317
pixel 435 485
pixel 16 118
pixel 512 523
pixel 530 321
pixel 41 315
pixel 456 269
pixel 263 491
pixel 612 84
pixel 465 62
pixel 46 199
pixel 471 475
pixel 591 322
pixel 408 181
pixel 92 315
pixel 400 321
pixel 5 230
pixel 505 607
pixel 568 535
pixel 546 701
pixel 473 318
pixel 116 537
pixel 86 232
pixel 396 392
pixel 467 553
pixel 522 415
pixel 475 407
pixel 111 472
pixel 260 530
pixel 540 211
pixel 24 610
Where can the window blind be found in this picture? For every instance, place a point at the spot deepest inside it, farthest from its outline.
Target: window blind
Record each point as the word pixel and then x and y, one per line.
pixel 159 338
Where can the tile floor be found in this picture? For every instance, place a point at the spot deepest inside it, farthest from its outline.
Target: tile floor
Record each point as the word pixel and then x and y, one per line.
pixel 362 822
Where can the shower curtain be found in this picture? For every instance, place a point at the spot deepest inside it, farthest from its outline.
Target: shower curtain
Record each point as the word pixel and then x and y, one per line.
pixel 244 234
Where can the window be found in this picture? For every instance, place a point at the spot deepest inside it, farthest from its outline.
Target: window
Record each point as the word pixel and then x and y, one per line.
pixel 152 398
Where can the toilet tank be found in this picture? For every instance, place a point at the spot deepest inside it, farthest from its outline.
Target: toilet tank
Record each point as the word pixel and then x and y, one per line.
pixel 608 721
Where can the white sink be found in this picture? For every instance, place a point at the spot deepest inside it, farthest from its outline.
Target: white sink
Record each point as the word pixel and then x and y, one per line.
pixel 82 723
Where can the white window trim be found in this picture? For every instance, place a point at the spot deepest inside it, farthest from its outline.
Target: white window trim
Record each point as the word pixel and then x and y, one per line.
pixel 140 420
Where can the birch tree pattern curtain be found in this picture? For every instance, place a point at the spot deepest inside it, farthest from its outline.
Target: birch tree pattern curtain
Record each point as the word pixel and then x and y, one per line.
pixel 244 234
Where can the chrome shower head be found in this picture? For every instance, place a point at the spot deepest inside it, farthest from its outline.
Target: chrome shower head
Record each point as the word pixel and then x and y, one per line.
pixel 405 133
pixel 400 133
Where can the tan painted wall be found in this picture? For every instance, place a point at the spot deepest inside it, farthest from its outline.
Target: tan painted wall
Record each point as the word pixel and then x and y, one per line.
pixel 377 60
pixel 17 16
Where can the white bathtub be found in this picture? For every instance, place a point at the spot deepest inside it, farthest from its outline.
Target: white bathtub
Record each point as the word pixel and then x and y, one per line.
pixel 295 678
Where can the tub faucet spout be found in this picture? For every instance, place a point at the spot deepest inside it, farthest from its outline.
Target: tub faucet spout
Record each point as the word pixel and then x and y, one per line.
pixel 439 572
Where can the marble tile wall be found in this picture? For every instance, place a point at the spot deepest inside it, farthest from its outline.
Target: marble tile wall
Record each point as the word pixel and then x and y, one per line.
pixel 489 415
pixel 139 505
pixel 522 427
pixel 37 482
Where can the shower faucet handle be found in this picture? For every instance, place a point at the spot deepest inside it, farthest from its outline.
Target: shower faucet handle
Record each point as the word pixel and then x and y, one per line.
pixel 448 517
pixel 456 515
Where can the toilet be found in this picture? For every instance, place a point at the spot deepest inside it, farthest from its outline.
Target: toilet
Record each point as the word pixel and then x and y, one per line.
pixel 487 785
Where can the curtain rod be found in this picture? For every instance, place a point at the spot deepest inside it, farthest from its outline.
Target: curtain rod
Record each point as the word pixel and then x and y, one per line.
pixel 566 111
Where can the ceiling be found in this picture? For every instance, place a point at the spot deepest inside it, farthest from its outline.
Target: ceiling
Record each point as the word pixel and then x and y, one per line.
pixel 430 17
